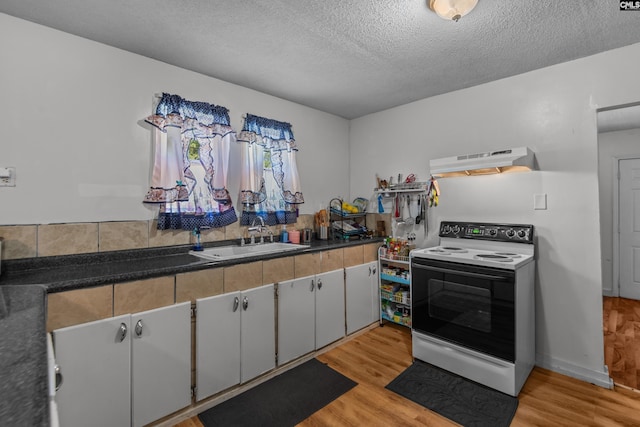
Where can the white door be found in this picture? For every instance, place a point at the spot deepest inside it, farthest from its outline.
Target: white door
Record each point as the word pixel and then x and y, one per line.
pixel 296 318
pixel 95 365
pixel 217 344
pixel 330 323
pixel 629 228
pixel 358 296
pixel 258 332
pixel 161 362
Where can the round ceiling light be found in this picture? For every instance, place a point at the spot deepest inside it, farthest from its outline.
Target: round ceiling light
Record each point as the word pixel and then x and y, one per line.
pixel 452 9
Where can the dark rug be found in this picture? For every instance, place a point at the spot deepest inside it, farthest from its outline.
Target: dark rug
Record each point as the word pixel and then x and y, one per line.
pixel 459 399
pixel 284 400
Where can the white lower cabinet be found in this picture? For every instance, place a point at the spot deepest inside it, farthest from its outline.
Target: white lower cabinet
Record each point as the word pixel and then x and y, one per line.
pixel 125 370
pixel 235 339
pixel 310 314
pixel 330 325
pixel 95 365
pixel 361 290
pixel 161 362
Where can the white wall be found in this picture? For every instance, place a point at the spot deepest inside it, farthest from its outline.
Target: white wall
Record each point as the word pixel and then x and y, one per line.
pixel 612 146
pixel 71 111
pixel 552 111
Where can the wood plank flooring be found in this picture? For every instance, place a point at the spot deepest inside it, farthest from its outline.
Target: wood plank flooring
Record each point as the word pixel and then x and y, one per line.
pixel 375 358
pixel 621 325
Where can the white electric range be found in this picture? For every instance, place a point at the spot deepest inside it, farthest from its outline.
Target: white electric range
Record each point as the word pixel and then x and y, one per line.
pixel 473 303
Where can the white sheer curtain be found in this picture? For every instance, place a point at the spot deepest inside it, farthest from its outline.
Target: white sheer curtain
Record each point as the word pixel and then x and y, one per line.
pixel 191 160
pixel 269 184
pixel 167 175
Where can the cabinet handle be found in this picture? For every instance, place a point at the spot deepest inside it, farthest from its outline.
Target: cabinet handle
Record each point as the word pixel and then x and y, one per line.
pixel 122 331
pixel 369 270
pixel 245 303
pixel 139 328
pixel 312 286
pixel 374 270
pixel 236 303
pixel 319 284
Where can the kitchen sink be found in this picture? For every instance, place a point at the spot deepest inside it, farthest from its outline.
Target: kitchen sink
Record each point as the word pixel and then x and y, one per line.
pixel 223 253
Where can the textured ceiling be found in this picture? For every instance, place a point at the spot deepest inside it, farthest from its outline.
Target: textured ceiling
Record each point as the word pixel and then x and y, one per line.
pixel 346 57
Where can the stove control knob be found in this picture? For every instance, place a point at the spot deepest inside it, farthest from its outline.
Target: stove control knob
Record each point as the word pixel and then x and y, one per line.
pixel 493 232
pixel 446 229
pixel 510 233
pixel 522 234
pixel 455 229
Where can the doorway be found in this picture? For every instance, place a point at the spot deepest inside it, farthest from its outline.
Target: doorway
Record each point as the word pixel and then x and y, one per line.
pixel 618 177
pixel 617 142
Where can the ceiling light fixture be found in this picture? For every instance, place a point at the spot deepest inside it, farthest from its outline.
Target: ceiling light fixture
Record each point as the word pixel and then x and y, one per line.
pixel 452 9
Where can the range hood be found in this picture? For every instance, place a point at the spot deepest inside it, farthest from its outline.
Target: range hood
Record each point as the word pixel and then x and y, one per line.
pixel 501 161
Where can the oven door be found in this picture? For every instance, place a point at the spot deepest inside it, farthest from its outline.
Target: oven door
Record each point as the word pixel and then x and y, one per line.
pixel 467 305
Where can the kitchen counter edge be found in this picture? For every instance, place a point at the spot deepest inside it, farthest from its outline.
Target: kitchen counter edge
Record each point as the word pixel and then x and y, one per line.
pixel 70 272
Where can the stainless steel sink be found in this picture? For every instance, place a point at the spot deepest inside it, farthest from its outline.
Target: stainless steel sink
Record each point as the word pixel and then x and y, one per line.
pixel 223 253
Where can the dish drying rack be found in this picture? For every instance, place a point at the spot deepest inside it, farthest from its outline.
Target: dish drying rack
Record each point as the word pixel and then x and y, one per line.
pixel 345 225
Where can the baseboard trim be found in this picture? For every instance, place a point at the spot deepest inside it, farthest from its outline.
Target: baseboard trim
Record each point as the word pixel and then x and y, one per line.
pixel 599 378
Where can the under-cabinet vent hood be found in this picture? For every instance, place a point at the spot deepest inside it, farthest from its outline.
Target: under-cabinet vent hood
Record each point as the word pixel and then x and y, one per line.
pixel 501 161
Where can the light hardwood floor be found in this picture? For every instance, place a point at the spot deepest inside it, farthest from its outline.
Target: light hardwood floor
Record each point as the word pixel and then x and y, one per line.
pixel 375 358
pixel 621 325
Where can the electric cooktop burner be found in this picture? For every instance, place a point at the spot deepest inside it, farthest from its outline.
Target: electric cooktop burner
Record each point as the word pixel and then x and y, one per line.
pixel 509 254
pixel 453 249
pixel 440 251
pixel 495 257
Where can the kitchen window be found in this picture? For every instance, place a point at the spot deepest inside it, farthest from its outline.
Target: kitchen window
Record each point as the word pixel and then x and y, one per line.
pixel 191 162
pixel 270 184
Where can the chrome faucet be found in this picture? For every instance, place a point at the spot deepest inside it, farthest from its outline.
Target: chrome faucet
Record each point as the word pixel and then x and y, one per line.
pixel 258 229
pixel 253 223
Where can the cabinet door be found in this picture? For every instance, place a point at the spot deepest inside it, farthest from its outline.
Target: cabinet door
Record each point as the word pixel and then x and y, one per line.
pixel 358 297
pixel 330 325
pixel 296 318
pixel 95 366
pixel 161 362
pixel 217 344
pixel 257 332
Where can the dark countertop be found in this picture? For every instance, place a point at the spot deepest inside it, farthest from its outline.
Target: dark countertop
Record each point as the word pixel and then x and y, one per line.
pixel 63 273
pixel 24 397
pixel 25 283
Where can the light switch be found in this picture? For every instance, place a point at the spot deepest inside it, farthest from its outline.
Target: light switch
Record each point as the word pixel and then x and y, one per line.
pixel 7 177
pixel 540 201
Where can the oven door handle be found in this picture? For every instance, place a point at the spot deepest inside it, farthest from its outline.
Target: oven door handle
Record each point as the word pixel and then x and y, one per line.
pixel 462 273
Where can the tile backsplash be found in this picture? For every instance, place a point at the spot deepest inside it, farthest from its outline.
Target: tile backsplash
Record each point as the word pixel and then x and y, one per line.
pixel 30 241
pixel 67 239
pixel 19 241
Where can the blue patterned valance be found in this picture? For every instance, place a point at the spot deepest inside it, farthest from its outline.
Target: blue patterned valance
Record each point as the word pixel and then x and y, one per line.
pixel 205 113
pixel 267 128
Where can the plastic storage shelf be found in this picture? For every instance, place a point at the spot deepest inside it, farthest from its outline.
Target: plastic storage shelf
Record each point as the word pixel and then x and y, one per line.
pixel 394 287
pixel 396 279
